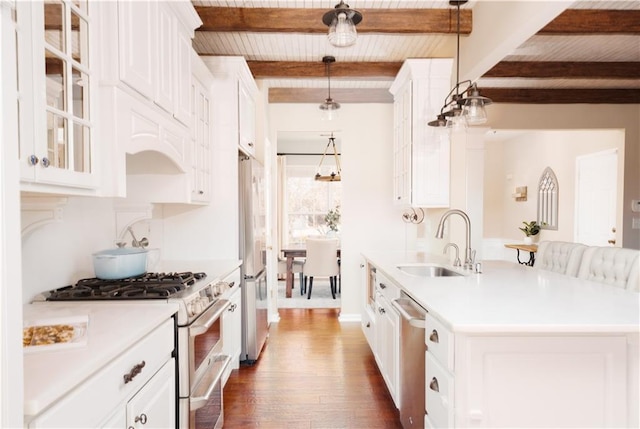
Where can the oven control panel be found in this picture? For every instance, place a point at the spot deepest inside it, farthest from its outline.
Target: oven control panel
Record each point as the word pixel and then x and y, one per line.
pixel 207 295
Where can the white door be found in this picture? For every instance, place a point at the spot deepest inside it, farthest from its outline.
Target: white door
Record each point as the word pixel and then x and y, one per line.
pixel 596 198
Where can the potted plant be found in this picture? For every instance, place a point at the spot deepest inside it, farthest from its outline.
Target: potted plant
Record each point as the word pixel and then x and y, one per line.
pixel 332 219
pixel 530 229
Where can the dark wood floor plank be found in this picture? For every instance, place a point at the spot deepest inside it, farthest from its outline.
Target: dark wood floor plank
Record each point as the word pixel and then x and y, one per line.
pixel 314 373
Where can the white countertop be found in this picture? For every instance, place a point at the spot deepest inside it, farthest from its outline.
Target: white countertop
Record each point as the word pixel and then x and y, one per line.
pixel 112 328
pixel 513 298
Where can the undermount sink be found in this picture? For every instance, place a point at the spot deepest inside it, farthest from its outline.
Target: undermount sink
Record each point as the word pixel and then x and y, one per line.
pixel 427 270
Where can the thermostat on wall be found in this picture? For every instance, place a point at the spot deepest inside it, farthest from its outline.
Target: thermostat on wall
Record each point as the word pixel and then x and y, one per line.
pixel 635 206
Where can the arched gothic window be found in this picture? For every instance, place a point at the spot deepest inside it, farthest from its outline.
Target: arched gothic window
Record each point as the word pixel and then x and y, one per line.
pixel 548 200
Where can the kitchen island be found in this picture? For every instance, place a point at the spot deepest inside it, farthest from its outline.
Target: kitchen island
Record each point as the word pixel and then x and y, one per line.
pixel 516 346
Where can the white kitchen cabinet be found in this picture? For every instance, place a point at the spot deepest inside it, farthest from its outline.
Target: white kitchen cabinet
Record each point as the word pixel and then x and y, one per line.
pixel 541 381
pixel 235 106
pixel 367 320
pixel 201 131
pixel 387 334
pixel 155 404
pixel 154 52
pixel 247 115
pixel 421 153
pixel 232 332
pixel 57 96
pixel 531 380
pixel 99 400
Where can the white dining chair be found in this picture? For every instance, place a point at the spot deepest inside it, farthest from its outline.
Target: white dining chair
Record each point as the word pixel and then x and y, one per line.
pixel 296 268
pixel 322 261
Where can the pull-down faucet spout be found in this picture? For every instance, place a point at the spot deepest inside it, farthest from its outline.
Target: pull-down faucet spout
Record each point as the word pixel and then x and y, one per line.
pixel 468 253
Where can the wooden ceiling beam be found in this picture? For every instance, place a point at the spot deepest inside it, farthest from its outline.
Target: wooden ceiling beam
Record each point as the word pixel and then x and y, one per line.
pixel 301 69
pixel 566 70
pixel 592 21
pixel 498 95
pixel 562 96
pixel 340 95
pixel 301 20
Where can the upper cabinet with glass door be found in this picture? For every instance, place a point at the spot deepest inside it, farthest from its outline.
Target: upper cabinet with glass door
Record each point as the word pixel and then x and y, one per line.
pixel 55 96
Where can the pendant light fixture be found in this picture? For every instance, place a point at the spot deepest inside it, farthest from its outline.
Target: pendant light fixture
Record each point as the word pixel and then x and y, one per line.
pixel 329 107
pixel 335 176
pixel 460 110
pixel 342 23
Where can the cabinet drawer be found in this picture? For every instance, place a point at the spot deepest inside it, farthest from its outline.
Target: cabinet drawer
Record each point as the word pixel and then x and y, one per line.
pixel 439 341
pixel 386 288
pixel 91 402
pixel 439 393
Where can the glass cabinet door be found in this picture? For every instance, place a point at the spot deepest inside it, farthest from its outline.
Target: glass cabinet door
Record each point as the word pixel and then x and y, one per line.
pixel 58 147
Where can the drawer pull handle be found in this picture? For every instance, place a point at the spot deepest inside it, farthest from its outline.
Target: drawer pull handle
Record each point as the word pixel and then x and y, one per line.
pixel 381 310
pixel 434 337
pixel 434 385
pixel 142 418
pixel 137 369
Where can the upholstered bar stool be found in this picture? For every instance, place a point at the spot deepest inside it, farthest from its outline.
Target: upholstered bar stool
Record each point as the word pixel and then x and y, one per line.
pixel 612 265
pixel 560 257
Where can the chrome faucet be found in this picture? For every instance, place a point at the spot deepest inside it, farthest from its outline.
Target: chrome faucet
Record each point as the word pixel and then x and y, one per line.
pixel 469 255
pixel 456 262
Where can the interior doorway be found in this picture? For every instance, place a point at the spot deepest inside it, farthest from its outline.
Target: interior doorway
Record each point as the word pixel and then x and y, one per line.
pixel 596 198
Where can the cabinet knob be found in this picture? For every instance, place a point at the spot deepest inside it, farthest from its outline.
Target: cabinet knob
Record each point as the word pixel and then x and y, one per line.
pixel 33 160
pixel 434 385
pixel 434 337
pixel 381 310
pixel 383 286
pixel 368 325
pixel 250 144
pixel 200 192
pixel 142 418
pixel 45 162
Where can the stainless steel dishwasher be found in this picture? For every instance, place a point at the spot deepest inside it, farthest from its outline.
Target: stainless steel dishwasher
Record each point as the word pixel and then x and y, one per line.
pixel 412 355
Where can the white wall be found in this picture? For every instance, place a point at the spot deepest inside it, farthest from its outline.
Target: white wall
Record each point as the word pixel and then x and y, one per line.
pixel 369 221
pixel 520 160
pixel 59 253
pixel 585 116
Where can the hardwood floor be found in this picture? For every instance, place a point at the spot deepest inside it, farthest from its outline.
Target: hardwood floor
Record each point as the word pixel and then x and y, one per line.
pixel 313 373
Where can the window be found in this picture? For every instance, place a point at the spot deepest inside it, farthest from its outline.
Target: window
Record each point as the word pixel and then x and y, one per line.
pixel 308 202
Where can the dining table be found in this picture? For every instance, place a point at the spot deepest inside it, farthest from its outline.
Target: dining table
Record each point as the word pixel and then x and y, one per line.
pixel 290 253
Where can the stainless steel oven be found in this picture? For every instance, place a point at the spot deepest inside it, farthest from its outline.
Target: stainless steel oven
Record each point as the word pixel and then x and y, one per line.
pixel 201 363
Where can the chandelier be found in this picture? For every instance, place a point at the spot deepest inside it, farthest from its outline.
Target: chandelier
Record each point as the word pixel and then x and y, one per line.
pixel 463 105
pixel 329 106
pixel 342 23
pixel 335 176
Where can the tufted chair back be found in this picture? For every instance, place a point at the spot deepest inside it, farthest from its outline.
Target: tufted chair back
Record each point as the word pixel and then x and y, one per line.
pixel 612 265
pixel 560 257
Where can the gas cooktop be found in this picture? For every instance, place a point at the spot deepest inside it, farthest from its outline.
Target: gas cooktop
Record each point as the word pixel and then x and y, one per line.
pixel 147 286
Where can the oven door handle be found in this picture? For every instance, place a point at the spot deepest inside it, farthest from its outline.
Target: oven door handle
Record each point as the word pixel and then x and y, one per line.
pixel 207 384
pixel 204 322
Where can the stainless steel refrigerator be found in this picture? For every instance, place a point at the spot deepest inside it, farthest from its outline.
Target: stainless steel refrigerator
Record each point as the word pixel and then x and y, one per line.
pixel 255 320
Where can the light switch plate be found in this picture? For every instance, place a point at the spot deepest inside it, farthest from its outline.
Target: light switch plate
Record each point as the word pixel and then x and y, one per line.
pixel 635 206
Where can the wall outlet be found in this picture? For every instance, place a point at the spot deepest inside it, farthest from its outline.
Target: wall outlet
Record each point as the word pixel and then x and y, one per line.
pixel 635 206
pixel 635 223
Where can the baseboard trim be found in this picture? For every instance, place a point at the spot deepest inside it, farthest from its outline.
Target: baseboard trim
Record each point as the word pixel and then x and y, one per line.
pixel 353 317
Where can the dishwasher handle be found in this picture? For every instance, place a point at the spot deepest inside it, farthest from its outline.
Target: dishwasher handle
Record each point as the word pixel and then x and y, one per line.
pixel 410 312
